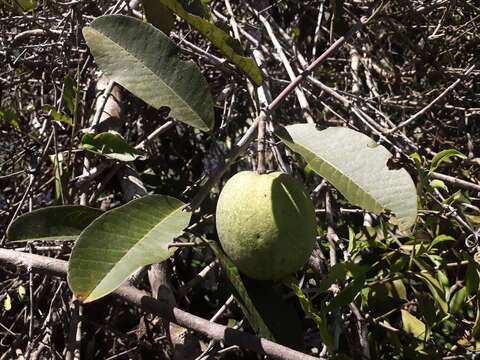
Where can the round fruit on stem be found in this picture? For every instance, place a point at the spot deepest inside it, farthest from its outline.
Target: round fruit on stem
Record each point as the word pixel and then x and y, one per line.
pixel 266 224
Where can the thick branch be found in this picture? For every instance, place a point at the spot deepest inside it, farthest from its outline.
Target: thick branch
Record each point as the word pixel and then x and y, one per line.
pixel 160 308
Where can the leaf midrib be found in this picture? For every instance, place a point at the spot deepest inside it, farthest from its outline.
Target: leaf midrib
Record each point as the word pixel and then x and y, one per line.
pixel 340 172
pixel 126 50
pixel 107 274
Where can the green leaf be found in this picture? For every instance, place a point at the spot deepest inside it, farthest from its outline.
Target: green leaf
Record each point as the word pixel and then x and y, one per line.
pixel 438 184
pixel 444 155
pixel 22 292
pixel 436 290
pixel 111 145
pixel 120 241
pixel 280 316
pixel 58 164
pixel 245 302
pixel 159 15
pixel 52 223
pixel 357 167
pixel 472 279
pixel 219 38
pixel 317 316
pixel 476 325
pixel 458 300
pixel 439 239
pixel 69 90
pixel 144 60
pixel 413 326
pixel 396 289
pixel 26 5
pixel 10 117
pixel 347 295
pixel 7 303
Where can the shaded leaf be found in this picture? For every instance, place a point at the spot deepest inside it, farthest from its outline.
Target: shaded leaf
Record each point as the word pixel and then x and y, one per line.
pixel 69 93
pixel 444 155
pixel 396 289
pixel 317 316
pixel 280 315
pixel 413 326
pixel 347 295
pixel 219 38
pixel 436 290
pixel 472 279
pixel 26 5
pixel 58 117
pixel 458 300
pixel 111 145
pixel 120 241
pixel 357 167
pixel 251 313
pixel 144 60
pixel 53 223
pixel 159 15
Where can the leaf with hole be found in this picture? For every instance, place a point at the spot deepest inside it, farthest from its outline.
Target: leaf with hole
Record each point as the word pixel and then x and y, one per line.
pixel 358 169
pixel 144 60
pixel 58 223
pixel 219 38
pixel 120 241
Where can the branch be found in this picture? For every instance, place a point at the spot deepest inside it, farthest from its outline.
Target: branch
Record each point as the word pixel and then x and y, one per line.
pixel 243 143
pixel 228 336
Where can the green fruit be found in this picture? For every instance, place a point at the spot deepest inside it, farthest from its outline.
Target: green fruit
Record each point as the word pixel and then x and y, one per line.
pixel 266 224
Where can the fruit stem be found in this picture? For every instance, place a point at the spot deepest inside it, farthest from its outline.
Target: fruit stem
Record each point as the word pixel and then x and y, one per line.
pixel 261 168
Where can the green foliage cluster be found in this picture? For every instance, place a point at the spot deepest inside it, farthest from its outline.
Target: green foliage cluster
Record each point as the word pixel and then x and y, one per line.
pixel 395 269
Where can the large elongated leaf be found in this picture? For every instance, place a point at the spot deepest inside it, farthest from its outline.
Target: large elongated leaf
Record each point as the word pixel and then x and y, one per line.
pixel 53 223
pixel 227 45
pixel 144 60
pixel 121 241
pixel 317 316
pixel 357 167
pixel 159 15
pixel 254 317
pixel 262 302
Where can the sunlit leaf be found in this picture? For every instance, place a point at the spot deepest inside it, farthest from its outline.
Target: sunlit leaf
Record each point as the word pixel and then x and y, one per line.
pixel 144 60
pixel 227 45
pixel 7 303
pixel 120 241
pixel 413 326
pixel 357 167
pixel 438 184
pixel 444 155
pixel 439 239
